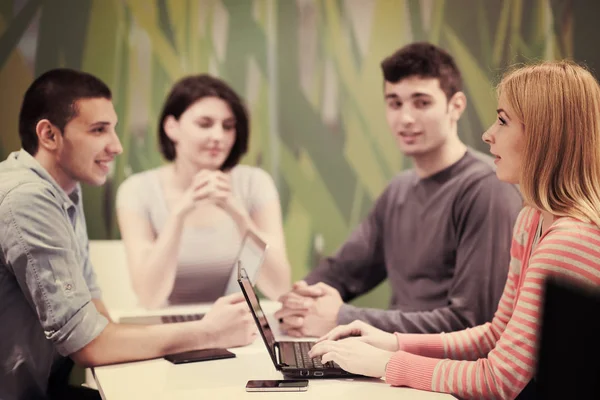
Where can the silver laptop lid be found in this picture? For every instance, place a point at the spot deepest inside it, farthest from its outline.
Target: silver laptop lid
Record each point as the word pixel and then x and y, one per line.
pixel 251 254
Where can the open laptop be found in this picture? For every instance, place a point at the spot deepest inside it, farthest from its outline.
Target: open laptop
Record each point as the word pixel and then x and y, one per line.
pixel 251 253
pixel 291 358
pixel 569 348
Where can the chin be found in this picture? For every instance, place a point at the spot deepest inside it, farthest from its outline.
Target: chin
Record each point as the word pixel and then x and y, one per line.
pixel 505 177
pixel 210 164
pixel 409 151
pixel 95 180
pixel 415 151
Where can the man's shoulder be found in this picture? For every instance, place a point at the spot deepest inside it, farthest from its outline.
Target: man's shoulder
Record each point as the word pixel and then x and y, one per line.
pixel 403 179
pixel 479 172
pixel 22 182
pixel 478 165
pixel 399 184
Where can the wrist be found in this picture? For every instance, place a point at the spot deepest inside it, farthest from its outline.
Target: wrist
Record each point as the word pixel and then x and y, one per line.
pixel 387 359
pixel 336 313
pixel 241 219
pixel 394 345
pixel 236 210
pixel 206 336
pixel 180 212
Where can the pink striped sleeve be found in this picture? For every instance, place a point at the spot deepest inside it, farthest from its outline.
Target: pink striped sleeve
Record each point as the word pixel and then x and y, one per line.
pixel 568 250
pixel 401 370
pixel 428 345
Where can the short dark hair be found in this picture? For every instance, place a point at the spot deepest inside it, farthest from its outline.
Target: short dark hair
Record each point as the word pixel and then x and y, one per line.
pixel 53 96
pixel 424 60
pixel 189 90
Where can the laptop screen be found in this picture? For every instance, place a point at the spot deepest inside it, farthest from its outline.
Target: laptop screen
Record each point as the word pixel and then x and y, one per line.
pixel 259 315
pixel 250 255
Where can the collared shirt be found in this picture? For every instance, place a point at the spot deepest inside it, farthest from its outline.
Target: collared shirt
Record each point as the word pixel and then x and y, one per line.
pixel 46 278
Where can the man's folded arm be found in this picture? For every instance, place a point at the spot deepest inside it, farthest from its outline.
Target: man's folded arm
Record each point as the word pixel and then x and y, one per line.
pixel 41 255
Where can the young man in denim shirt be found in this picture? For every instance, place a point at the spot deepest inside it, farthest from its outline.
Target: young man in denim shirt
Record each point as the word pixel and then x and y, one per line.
pixel 51 312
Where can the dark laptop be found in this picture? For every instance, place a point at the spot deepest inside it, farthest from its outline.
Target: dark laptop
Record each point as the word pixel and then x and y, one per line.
pixel 569 349
pixel 291 358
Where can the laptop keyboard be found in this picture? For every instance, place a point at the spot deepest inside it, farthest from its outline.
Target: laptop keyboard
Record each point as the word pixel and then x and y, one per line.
pixel 169 319
pixel 303 360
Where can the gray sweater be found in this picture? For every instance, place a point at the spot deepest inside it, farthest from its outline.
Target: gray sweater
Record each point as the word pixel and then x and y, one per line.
pixel 444 244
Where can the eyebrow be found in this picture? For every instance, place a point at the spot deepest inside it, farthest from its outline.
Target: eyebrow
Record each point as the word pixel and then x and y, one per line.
pixel 201 117
pixel 412 96
pixel 99 124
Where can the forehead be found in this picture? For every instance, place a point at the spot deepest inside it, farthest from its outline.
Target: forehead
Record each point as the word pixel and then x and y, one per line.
pixel 94 110
pixel 211 107
pixel 504 104
pixel 413 85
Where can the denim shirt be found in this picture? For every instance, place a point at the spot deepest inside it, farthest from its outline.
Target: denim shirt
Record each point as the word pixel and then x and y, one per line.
pixel 46 278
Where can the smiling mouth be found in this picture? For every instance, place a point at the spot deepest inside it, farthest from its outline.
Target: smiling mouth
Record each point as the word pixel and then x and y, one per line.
pixel 104 164
pixel 403 134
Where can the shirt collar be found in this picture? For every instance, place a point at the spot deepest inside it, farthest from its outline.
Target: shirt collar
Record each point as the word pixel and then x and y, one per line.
pixel 25 159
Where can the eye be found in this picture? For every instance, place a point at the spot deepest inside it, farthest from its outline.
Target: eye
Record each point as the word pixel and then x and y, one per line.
pixel 229 126
pixel 394 104
pixel 422 103
pixel 205 124
pixel 100 129
pixel 501 121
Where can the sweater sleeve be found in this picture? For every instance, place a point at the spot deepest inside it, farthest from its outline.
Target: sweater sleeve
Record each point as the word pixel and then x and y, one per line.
pixel 510 365
pixel 358 266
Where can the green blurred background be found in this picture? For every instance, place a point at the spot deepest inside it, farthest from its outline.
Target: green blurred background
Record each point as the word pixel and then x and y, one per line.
pixel 309 71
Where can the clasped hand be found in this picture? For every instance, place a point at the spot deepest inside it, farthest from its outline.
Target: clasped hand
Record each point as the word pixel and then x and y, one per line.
pixel 213 186
pixel 309 310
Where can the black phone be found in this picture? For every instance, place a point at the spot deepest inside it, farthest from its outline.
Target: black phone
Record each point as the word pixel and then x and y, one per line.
pixel 282 385
pixel 199 355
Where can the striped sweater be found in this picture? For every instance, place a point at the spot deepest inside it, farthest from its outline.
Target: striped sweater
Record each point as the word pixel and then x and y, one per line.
pixel 498 359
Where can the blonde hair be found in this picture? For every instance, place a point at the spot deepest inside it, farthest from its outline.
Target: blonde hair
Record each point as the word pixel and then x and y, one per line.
pixel 558 103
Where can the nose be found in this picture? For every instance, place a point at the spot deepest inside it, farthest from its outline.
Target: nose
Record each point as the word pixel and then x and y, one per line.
pixel 115 147
pixel 217 132
pixel 405 116
pixel 487 136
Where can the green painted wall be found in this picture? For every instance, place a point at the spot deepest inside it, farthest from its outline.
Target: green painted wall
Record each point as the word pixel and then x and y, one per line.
pixel 309 70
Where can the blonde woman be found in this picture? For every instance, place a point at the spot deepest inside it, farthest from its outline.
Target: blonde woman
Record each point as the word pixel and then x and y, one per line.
pixel 546 139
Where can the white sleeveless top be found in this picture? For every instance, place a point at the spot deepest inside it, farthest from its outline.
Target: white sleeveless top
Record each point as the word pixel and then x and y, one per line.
pixel 206 254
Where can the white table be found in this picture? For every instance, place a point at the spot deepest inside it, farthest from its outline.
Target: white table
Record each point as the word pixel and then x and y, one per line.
pixel 226 379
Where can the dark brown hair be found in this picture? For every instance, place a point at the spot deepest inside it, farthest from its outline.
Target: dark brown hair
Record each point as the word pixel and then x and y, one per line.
pixel 53 96
pixel 424 60
pixel 189 90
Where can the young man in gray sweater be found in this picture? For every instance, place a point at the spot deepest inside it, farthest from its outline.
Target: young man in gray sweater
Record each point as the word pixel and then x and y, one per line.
pixel 440 232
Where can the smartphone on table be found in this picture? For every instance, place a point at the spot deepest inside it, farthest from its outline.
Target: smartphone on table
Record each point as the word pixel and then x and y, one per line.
pixel 199 355
pixel 281 385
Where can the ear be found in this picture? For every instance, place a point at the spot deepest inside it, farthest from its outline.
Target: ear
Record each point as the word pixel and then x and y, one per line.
pixel 457 105
pixel 171 127
pixel 47 135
